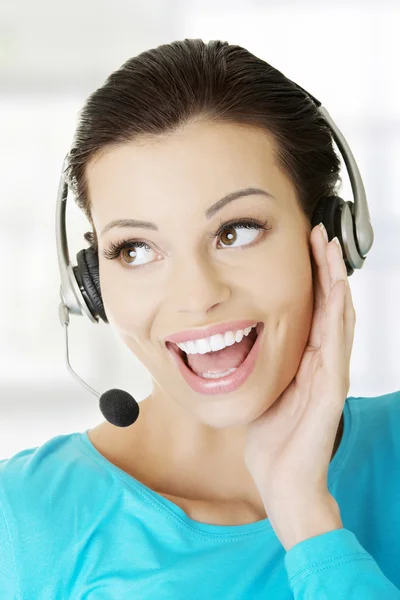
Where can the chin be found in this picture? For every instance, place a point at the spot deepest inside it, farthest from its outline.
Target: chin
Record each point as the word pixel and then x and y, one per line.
pixel 238 412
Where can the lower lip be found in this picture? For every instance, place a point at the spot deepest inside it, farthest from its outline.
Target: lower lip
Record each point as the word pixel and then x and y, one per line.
pixel 226 384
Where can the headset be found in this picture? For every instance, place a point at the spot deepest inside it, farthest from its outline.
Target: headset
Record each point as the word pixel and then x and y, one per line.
pixel 80 286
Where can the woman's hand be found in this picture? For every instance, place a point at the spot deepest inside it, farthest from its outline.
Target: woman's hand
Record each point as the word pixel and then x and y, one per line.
pixel 289 447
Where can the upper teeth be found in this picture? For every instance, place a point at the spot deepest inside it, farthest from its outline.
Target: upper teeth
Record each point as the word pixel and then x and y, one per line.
pixel 215 342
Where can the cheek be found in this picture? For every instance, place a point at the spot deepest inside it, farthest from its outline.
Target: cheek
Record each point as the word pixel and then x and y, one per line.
pixel 299 310
pixel 289 298
pixel 290 329
pixel 123 301
pixel 288 283
pixel 129 312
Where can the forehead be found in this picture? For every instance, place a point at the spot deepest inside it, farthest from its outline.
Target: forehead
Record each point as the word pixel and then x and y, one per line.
pixel 195 165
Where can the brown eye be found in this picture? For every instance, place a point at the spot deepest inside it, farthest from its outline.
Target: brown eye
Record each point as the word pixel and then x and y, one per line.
pixel 228 237
pixel 128 254
pixel 244 232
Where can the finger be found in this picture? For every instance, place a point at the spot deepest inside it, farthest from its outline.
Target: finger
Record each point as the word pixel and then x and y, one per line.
pixel 338 329
pixel 349 322
pixel 339 272
pixel 322 274
pixel 330 268
pixel 338 269
pixel 321 284
pixel 333 347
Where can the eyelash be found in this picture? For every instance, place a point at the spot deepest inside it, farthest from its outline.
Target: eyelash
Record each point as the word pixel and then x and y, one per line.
pixel 115 248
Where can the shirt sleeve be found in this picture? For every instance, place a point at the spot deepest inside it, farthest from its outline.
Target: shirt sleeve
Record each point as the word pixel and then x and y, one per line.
pixel 8 575
pixel 333 566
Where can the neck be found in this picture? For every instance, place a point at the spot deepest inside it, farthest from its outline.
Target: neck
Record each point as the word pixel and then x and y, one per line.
pixel 171 453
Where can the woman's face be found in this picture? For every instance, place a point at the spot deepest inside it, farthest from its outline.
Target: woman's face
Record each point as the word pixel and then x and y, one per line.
pixel 183 278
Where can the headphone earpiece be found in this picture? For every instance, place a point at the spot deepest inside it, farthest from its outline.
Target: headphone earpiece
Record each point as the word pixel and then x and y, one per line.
pixel 87 276
pixel 329 212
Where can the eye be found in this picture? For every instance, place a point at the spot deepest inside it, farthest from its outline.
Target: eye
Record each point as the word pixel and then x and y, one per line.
pixel 246 237
pixel 128 251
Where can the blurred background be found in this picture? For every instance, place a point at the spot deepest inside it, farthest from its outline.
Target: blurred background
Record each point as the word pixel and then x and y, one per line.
pixel 52 56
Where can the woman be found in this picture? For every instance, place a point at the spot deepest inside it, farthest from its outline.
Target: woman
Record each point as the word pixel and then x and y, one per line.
pixel 258 482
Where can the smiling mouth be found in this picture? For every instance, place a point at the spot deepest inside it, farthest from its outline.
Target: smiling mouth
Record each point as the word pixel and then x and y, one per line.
pixel 253 335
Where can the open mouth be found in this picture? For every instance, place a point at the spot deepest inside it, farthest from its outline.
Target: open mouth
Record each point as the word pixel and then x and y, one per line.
pixel 252 337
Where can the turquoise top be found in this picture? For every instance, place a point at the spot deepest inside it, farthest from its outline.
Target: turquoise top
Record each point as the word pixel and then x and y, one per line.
pixel 74 526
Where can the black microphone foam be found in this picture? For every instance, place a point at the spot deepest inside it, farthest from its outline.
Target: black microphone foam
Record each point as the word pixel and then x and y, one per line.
pixel 119 407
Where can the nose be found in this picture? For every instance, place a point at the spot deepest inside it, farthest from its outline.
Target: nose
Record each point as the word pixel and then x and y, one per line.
pixel 197 285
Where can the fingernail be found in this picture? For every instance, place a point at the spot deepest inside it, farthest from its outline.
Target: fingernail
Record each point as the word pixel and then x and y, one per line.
pixel 324 233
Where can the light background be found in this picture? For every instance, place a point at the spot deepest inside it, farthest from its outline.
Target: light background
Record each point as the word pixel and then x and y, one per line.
pixel 52 56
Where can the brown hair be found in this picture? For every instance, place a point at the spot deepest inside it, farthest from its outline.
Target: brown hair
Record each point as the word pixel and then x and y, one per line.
pixel 161 89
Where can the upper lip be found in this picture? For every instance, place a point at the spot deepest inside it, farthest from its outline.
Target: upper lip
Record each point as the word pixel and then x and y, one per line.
pixel 196 334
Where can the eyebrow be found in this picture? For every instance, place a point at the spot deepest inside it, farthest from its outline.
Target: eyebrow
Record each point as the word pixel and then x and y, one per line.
pixel 210 212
